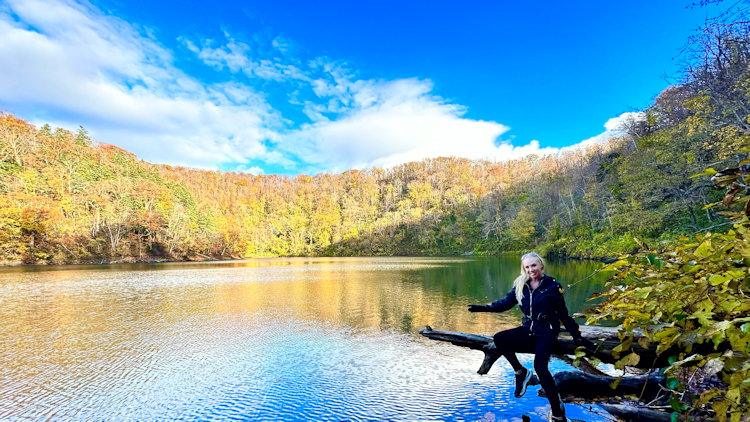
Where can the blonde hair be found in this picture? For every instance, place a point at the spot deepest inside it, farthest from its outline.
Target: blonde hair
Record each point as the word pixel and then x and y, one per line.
pixel 519 282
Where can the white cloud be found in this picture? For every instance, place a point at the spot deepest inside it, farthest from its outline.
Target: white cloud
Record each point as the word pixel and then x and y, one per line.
pixel 238 56
pixel 69 64
pixel 384 124
pixel 80 67
pixel 620 123
pixel 390 123
pixel 613 128
pixel 254 170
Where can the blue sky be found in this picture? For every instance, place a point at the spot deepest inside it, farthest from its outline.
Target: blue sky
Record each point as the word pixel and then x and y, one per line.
pixel 308 86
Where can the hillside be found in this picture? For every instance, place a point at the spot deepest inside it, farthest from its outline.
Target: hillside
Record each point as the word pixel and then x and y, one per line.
pixel 66 198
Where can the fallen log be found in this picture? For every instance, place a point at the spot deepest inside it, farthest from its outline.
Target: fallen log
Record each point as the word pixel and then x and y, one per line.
pixel 605 339
pixel 580 385
pixel 639 414
pixel 576 385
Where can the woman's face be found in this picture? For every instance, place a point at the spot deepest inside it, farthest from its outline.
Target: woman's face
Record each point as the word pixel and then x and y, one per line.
pixel 533 268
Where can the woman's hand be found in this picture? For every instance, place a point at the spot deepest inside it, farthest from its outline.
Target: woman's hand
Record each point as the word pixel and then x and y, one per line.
pixel 478 308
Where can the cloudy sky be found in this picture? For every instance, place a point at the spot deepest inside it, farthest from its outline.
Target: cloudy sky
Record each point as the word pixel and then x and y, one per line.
pixel 305 86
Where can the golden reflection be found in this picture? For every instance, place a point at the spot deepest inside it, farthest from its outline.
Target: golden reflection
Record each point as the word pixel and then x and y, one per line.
pixel 400 294
pixel 62 329
pixel 354 293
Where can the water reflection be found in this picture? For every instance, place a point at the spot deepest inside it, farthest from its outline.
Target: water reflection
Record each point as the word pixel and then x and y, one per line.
pixel 274 339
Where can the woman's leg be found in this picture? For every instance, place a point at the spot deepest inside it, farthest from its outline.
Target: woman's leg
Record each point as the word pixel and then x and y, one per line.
pixel 543 350
pixel 508 342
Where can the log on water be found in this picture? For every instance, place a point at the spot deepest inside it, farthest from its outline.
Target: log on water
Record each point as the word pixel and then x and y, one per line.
pixel 580 385
pixel 636 414
pixel 605 338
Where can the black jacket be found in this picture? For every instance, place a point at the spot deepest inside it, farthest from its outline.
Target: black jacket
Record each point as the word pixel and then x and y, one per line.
pixel 543 308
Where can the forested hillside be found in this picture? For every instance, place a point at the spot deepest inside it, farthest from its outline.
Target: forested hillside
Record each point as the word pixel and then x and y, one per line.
pixel 66 198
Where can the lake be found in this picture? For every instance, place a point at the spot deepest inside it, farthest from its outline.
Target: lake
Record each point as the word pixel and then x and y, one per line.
pixel 264 339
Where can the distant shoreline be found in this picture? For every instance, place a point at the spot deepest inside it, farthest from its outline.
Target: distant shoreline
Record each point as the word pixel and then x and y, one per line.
pixel 204 258
pixel 127 260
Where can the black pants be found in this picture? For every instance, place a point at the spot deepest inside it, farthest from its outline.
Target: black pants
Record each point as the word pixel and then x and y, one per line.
pixel 508 342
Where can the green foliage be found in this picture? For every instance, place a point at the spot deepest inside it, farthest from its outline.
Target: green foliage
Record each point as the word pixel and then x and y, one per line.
pixel 111 205
pixel 692 302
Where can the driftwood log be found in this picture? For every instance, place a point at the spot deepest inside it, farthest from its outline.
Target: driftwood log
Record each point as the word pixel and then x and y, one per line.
pixel 580 385
pixel 633 413
pixel 605 339
pixel 576 385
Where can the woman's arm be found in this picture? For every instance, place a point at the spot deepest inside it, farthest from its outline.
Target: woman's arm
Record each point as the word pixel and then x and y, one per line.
pixel 571 325
pixel 499 305
pixel 562 313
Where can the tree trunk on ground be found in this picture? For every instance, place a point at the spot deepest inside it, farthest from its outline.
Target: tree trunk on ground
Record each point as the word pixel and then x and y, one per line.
pixel 574 385
pixel 605 338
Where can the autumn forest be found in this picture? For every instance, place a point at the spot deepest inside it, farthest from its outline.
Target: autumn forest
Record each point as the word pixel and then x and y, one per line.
pixel 67 198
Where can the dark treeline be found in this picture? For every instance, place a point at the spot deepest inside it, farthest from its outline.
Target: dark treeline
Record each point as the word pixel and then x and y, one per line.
pixel 65 198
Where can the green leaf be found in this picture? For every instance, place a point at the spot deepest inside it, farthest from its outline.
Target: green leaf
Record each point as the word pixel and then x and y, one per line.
pixel 676 404
pixel 703 250
pixel 674 416
pixel 638 315
pixel 704 317
pixel 672 383
pixel 720 408
pixel 733 394
pixel 716 279
pixel 707 172
pixel 729 305
pixel 736 273
pixel 643 293
pixel 694 269
pixel 630 360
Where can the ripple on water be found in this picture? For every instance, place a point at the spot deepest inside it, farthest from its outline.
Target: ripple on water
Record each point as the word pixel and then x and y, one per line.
pixel 246 343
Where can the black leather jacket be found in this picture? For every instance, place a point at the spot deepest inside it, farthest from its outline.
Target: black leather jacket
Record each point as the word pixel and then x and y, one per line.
pixel 543 308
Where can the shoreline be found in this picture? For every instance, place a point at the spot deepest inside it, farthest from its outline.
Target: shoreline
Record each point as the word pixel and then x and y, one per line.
pixel 205 258
pixel 127 260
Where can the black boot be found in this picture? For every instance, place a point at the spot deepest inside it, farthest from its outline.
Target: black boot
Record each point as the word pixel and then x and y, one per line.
pixel 522 381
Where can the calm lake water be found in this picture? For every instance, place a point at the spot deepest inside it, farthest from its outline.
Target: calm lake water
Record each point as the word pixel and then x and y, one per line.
pixel 269 339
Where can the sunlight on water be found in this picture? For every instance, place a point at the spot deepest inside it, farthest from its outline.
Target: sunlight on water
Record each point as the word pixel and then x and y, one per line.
pixel 273 339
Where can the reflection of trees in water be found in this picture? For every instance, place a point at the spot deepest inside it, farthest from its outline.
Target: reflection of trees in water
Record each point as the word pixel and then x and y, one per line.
pixel 401 294
pixel 353 295
pixel 579 276
pixel 483 280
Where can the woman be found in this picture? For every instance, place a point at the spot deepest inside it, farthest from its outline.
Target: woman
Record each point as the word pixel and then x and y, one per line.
pixel 541 300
